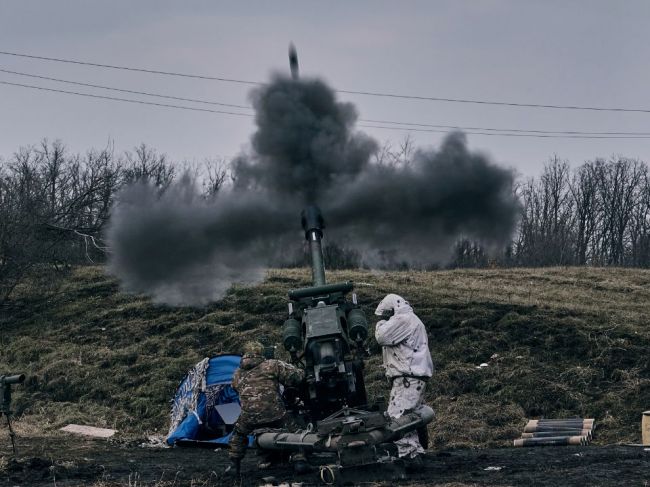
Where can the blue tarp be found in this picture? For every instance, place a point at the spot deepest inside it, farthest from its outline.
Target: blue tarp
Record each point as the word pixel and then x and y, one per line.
pixel 221 369
pixel 205 424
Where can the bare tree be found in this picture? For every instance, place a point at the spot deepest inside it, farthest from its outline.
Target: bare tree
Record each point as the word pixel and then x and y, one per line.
pixel 145 164
pixel 52 208
pixel 640 225
pixel 216 174
pixel 586 209
pixel 402 155
pixel 545 231
pixel 618 183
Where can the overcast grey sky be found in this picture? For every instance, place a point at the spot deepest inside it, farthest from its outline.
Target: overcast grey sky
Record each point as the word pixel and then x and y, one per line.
pixel 589 52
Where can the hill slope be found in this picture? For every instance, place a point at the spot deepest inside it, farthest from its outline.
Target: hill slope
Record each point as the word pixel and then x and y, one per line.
pixel 559 342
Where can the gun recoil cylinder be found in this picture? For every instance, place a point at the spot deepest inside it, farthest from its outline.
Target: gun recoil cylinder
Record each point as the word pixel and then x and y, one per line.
pixel 292 335
pixel 357 324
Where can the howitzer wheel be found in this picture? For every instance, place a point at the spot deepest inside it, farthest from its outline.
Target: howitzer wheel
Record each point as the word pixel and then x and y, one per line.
pixel 336 474
pixel 330 474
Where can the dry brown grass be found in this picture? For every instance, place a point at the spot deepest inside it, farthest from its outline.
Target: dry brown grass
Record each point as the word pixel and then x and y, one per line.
pixel 559 342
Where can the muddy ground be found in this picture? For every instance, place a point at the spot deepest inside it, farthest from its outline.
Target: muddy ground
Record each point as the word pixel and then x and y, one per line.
pixel 67 461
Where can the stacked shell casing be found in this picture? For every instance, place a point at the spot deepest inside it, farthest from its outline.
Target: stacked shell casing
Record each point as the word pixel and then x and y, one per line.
pixel 553 432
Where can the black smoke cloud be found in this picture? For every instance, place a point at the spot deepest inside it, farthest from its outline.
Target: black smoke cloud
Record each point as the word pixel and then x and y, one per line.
pixel 183 249
pixel 305 143
pixel 415 212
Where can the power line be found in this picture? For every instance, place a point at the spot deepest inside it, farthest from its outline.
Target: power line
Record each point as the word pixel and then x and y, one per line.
pixel 196 109
pixel 140 102
pixel 78 83
pixel 507 134
pixel 126 68
pixel 489 129
pixel 351 92
pixel 387 122
pixel 498 103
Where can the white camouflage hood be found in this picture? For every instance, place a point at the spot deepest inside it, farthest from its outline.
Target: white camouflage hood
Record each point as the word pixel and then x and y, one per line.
pixel 393 302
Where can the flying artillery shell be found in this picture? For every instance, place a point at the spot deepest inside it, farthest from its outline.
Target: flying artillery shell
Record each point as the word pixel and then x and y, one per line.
pixel 552 441
pixel 293 62
pixel 546 434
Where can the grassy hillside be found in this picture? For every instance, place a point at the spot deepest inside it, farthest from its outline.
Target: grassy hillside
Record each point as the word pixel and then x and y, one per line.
pixel 559 342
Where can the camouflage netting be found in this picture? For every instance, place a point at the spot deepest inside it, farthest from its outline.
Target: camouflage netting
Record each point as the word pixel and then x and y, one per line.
pixel 187 396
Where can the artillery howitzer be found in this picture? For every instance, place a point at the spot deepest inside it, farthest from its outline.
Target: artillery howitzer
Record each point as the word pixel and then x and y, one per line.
pixel 326 334
pixel 6 381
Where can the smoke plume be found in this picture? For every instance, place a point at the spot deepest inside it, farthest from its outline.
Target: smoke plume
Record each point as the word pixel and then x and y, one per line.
pixel 415 212
pixel 182 248
pixel 305 143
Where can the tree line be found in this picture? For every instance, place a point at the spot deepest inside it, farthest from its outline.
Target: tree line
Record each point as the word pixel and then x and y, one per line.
pixel 596 214
pixel 55 204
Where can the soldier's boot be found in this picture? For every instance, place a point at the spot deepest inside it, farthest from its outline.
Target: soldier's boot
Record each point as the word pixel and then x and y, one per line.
pixel 414 464
pixel 234 469
pixel 300 464
pixel 267 459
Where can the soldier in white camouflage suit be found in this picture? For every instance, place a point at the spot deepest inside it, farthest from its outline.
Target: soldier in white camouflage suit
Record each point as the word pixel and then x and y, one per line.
pixel 257 381
pixel 408 365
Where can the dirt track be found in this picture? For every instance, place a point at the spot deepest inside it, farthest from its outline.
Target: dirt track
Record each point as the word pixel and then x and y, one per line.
pixel 69 461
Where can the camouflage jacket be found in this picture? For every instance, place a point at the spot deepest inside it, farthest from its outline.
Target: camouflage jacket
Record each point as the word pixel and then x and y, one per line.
pixel 257 381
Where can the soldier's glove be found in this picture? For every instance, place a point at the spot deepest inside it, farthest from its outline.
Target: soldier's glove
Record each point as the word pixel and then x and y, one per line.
pixel 387 314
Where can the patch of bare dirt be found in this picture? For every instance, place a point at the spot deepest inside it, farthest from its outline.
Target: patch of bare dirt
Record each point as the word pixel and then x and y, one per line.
pixel 99 463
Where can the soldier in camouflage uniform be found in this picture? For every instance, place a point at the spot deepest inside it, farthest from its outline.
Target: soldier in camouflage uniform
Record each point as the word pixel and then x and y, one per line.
pixel 257 381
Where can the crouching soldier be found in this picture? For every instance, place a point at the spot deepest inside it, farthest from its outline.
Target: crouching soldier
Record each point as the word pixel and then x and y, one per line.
pixel 408 365
pixel 257 381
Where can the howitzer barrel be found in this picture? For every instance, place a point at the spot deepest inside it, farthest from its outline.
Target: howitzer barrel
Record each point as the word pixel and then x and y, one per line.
pixel 12 379
pixel 313 224
pixel 394 430
pixel 552 441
